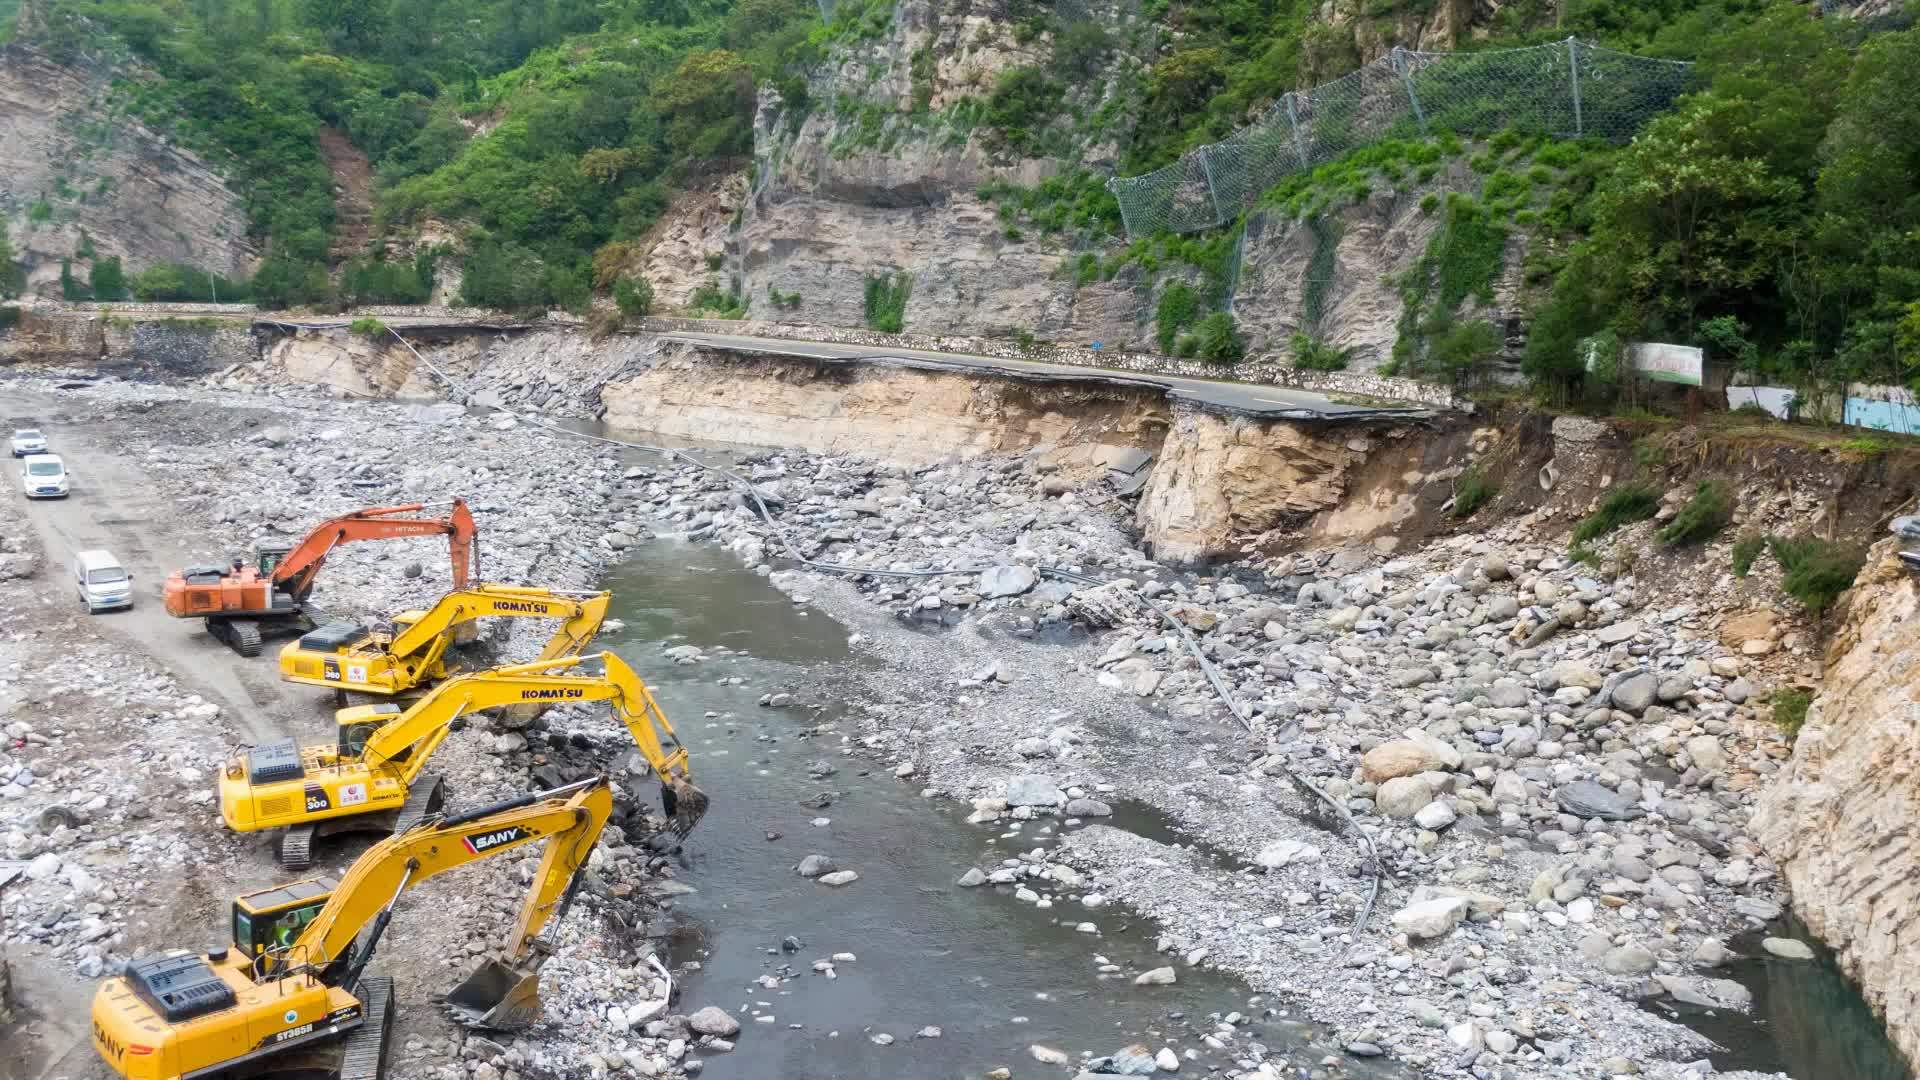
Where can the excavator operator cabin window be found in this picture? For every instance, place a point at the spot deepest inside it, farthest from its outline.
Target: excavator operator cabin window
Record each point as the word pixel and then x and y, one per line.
pixel 269 562
pixel 257 933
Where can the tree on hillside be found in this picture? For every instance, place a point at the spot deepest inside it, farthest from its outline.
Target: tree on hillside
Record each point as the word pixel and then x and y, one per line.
pixel 107 280
pixel 9 273
pixel 350 25
pixel 708 105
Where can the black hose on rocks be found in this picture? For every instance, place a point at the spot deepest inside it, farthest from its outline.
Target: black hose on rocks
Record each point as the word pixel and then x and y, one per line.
pixel 1371 854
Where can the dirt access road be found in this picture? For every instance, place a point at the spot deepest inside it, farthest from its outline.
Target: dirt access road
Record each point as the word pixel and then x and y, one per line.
pixel 115 506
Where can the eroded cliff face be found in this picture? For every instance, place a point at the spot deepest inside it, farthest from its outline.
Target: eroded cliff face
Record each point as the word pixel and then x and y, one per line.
pixel 76 171
pixel 1222 481
pixel 1839 820
pixel 875 182
pixel 893 415
pixel 194 346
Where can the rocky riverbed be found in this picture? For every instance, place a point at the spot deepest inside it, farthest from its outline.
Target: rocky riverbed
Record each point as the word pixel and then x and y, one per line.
pixel 1554 762
pixel 1556 766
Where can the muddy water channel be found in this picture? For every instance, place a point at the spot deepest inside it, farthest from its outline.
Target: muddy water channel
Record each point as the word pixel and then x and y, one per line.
pixel 994 975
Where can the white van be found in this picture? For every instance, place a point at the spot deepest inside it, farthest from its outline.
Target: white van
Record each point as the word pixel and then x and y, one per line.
pixel 102 581
pixel 44 476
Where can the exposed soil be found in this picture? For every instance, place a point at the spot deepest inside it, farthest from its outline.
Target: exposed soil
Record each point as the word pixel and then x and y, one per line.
pixel 352 194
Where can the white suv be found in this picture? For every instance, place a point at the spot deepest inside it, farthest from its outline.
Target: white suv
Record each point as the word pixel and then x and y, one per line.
pixel 29 441
pixel 44 476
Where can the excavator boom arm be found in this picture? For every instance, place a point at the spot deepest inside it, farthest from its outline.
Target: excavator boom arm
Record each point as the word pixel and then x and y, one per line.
pixel 422 726
pixel 297 571
pixel 582 616
pixel 568 818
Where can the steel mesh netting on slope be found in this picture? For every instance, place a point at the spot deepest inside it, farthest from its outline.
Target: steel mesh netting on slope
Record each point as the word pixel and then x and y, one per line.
pixel 1568 89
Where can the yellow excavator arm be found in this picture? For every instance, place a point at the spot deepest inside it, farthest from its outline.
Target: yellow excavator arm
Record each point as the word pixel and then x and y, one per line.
pixel 381 751
pixel 569 819
pixel 343 656
pixel 411 737
pixel 235 1011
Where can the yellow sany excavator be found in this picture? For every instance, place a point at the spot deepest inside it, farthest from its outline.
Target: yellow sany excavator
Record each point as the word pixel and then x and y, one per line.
pixel 291 995
pixel 371 778
pixel 346 656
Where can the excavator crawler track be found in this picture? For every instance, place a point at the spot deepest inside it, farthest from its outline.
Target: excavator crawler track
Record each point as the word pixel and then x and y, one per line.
pixel 240 635
pixel 423 799
pixel 364 1052
pixel 295 850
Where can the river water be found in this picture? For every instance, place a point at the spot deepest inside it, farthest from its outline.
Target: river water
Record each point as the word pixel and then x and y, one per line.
pixel 994 974
pixel 1807 1020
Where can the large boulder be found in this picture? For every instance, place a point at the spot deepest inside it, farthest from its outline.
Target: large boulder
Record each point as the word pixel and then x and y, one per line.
pixel 1636 692
pixel 996 581
pixel 1430 918
pixel 1573 673
pixel 1034 789
pixel 1403 796
pixel 1401 757
pixel 715 1021
pixel 1586 799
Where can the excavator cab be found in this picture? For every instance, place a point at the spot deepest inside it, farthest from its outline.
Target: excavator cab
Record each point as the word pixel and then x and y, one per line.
pixel 268 558
pixel 357 725
pixel 270 920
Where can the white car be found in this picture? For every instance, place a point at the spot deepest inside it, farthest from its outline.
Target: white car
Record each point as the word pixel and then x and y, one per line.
pixel 28 441
pixel 44 476
pixel 102 582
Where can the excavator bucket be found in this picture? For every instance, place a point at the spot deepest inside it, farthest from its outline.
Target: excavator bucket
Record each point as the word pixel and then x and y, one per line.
pixel 498 996
pixel 685 805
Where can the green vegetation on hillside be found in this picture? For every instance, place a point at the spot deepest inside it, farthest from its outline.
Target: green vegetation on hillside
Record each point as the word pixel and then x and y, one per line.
pixel 546 128
pixel 1772 216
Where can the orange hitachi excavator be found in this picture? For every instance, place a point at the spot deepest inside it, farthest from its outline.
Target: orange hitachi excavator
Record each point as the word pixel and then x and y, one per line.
pixel 243 604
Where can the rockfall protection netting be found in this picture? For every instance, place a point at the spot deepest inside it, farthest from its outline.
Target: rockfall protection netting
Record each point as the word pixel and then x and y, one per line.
pixel 1569 89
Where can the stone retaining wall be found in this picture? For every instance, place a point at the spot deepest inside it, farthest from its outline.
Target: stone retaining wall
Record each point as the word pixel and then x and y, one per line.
pixel 1261 370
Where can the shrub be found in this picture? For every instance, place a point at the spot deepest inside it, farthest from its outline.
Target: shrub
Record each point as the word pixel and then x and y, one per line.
pixel 367 328
pixel 1753 410
pixel 9 317
pixel 1023 102
pixel 1217 339
pixel 1745 550
pixel 1179 306
pixel 1313 354
pixel 714 259
pixel 1790 710
pixel 887 302
pixel 107 280
pixel 1471 491
pixel 1705 514
pixel 1817 572
pixel 1623 506
pixel 633 296
pixel 1649 453
pixel 724 305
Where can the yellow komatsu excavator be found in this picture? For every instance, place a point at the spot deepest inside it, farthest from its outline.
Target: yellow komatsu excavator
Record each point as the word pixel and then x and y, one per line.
pixel 372 777
pixel 346 657
pixel 292 994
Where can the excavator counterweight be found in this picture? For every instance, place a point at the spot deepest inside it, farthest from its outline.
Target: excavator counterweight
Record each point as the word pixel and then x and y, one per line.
pixel 372 776
pixel 292 991
pixel 245 602
pixel 413 654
